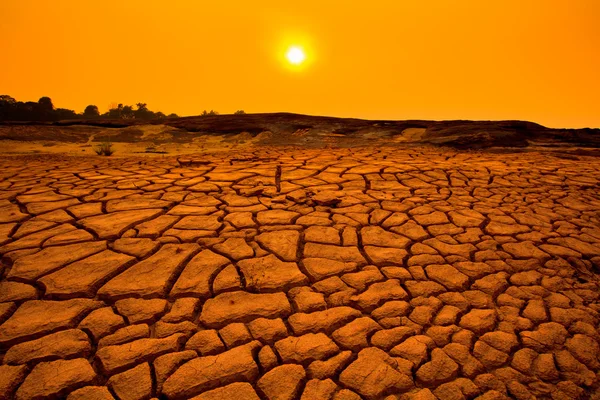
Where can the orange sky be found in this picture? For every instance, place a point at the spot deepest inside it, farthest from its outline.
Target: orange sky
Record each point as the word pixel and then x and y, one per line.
pixel 536 60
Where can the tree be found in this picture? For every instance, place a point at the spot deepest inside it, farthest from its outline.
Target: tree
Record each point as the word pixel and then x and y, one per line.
pixel 115 112
pixel 172 115
pixel 45 104
pixel 7 107
pixel 239 112
pixel 91 111
pixel 63 113
pixel 127 112
pixel 44 110
pixel 142 111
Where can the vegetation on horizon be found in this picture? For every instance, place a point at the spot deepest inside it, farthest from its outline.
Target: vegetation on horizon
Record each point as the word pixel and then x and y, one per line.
pixel 43 110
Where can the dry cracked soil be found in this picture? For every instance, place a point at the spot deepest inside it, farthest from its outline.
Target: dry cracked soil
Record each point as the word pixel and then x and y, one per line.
pixel 284 273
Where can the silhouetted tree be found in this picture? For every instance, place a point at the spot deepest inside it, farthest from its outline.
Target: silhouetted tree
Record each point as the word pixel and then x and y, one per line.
pixel 239 112
pixel 91 111
pixel 7 107
pixel 127 112
pixel 115 112
pixel 142 112
pixel 173 115
pixel 43 110
pixel 63 113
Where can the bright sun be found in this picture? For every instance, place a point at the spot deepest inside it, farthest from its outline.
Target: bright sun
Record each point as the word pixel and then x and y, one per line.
pixel 295 55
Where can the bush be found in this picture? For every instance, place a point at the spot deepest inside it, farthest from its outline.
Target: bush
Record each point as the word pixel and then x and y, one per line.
pixel 104 149
pixel 239 112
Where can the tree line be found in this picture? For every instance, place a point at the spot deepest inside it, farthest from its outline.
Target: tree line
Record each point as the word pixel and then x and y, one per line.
pixel 44 110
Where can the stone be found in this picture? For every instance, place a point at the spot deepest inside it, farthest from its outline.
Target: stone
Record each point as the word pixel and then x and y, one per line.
pixel 84 277
pixel 10 378
pixel 331 367
pixel 479 321
pixel 55 379
pixel 235 334
pixel 136 247
pixel 133 384
pixel 327 320
pixel 284 243
pixel 269 274
pixel 165 365
pixel 378 293
pixel 276 217
pixel 353 336
pixel 336 253
pixel 448 276
pixel 320 268
pixel 152 276
pixel 199 222
pixel 488 355
pixel 547 336
pixel 109 226
pixel 243 307
pixel 424 288
pixel 385 255
pixel 91 393
pixel 458 388
pixel 305 300
pixel 306 348
pixel 36 318
pixel 197 274
pixel 526 249
pixel 411 349
pixel 140 310
pixel 503 341
pixel 316 389
pixel 268 330
pixel 184 308
pixel 206 342
pixel 163 329
pixel 439 370
pixel 235 248
pixel 16 291
pixel 282 383
pixel 118 358
pixel 544 368
pixel 493 284
pixel 373 375
pixel 31 267
pixel 239 390
pixel 71 343
pixel 377 236
pixel 585 349
pixel 231 366
pixel 102 322
pixel 346 394
pixel 267 358
pixel 469 365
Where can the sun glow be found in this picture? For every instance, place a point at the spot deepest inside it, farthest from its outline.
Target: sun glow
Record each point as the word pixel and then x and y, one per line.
pixel 295 55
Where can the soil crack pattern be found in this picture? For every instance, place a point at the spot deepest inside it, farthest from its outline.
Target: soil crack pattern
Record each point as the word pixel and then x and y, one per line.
pixel 289 273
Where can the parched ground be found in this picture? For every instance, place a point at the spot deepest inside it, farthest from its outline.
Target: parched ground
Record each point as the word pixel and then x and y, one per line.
pixel 300 274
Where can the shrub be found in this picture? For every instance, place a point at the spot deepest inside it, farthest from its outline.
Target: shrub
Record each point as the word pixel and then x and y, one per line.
pixel 239 112
pixel 104 149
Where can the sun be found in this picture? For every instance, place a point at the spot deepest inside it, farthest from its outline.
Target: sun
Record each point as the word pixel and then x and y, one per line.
pixel 295 55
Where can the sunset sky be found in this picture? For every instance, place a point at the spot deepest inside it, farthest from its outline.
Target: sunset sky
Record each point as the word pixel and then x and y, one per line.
pixel 536 60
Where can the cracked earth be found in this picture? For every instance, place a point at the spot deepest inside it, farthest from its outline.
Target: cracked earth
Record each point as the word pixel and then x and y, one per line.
pixel 300 274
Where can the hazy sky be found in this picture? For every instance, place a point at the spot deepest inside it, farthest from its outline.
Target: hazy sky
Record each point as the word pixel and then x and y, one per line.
pixel 536 60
